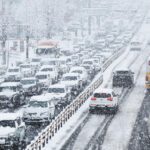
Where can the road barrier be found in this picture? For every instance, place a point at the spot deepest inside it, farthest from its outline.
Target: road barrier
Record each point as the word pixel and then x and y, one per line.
pixel 46 134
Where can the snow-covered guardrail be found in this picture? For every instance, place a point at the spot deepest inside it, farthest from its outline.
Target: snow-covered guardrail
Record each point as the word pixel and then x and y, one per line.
pixel 46 134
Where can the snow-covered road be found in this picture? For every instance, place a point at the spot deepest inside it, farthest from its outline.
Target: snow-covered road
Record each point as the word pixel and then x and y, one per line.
pixel 125 119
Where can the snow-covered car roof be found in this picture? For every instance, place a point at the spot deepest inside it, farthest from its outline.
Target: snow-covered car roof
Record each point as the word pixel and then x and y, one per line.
pixel 71 74
pixel 57 86
pixel 122 69
pixel 42 73
pixel 42 97
pixel 13 68
pixel 9 116
pixel 88 60
pixel 30 78
pixel 9 84
pixel 103 90
pixel 77 68
pixel 47 66
pixel 25 64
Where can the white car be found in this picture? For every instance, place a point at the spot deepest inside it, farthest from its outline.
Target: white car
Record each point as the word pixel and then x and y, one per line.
pixel 59 93
pixel 52 70
pixel 31 86
pixel 13 74
pixel 12 131
pixel 73 82
pixel 39 109
pixel 104 100
pixel 89 65
pixel 83 73
pixel 26 70
pixel 44 78
pixel 11 94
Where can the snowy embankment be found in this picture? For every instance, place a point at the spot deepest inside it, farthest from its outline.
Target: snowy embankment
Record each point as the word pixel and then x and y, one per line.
pixel 119 132
pixel 64 133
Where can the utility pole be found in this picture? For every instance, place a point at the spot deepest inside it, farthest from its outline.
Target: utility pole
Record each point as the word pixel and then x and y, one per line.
pixel 4 36
pixel 89 18
pixel 27 43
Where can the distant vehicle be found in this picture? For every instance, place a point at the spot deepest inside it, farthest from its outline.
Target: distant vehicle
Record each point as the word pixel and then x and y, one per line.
pixel 73 82
pixel 35 64
pixel 44 78
pixel 26 70
pixel 89 65
pixel 47 48
pixel 123 78
pixel 135 46
pixel 11 94
pixel 12 132
pixel 40 109
pixel 104 100
pixel 147 76
pixel 60 94
pixel 63 64
pixel 13 74
pixel 31 86
pixel 83 73
pixel 52 71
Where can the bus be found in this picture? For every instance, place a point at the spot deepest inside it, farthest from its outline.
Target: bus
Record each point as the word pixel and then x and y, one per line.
pixel 147 78
pixel 48 48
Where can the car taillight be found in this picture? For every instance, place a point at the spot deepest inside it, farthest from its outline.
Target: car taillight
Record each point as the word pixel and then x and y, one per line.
pixel 146 78
pixel 93 98
pixel 109 98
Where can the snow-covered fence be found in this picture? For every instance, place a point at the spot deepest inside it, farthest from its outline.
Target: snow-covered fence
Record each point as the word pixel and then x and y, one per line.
pixel 46 134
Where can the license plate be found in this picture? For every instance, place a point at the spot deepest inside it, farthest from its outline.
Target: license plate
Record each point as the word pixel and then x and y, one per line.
pixel 2 141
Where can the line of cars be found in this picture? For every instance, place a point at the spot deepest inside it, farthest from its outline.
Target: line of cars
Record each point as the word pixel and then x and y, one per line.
pixel 106 100
pixel 51 84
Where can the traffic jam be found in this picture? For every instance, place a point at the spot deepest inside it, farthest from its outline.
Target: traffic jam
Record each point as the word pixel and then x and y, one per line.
pixel 33 93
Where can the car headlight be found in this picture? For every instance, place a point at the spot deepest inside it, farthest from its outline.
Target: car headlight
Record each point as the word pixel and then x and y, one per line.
pixel 44 114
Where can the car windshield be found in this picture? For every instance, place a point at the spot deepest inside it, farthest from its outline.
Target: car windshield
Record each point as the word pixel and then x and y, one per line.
pixel 102 95
pixel 8 88
pixel 42 104
pixel 47 69
pixel 28 82
pixel 13 70
pixel 88 62
pixel 7 123
pixel 35 60
pixel 70 78
pixel 56 90
pixel 135 43
pixel 25 66
pixel 41 76
pixel 78 71
pixel 122 72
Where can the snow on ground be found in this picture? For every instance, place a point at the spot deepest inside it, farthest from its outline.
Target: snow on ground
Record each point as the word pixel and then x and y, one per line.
pixel 119 132
pixel 93 124
pixel 64 133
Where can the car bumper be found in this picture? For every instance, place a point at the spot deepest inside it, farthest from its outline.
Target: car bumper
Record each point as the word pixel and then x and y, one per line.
pixel 35 120
pixel 102 108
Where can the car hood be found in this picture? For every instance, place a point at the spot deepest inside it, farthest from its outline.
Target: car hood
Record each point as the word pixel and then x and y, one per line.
pixel 27 86
pixel 56 95
pixel 69 83
pixel 5 131
pixel 7 93
pixel 35 111
pixel 12 74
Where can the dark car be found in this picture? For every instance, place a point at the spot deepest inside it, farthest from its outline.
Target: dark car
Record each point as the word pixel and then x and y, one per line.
pixel 123 78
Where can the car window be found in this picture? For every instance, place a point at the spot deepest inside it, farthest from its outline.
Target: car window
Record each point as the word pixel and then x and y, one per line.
pixel 102 95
